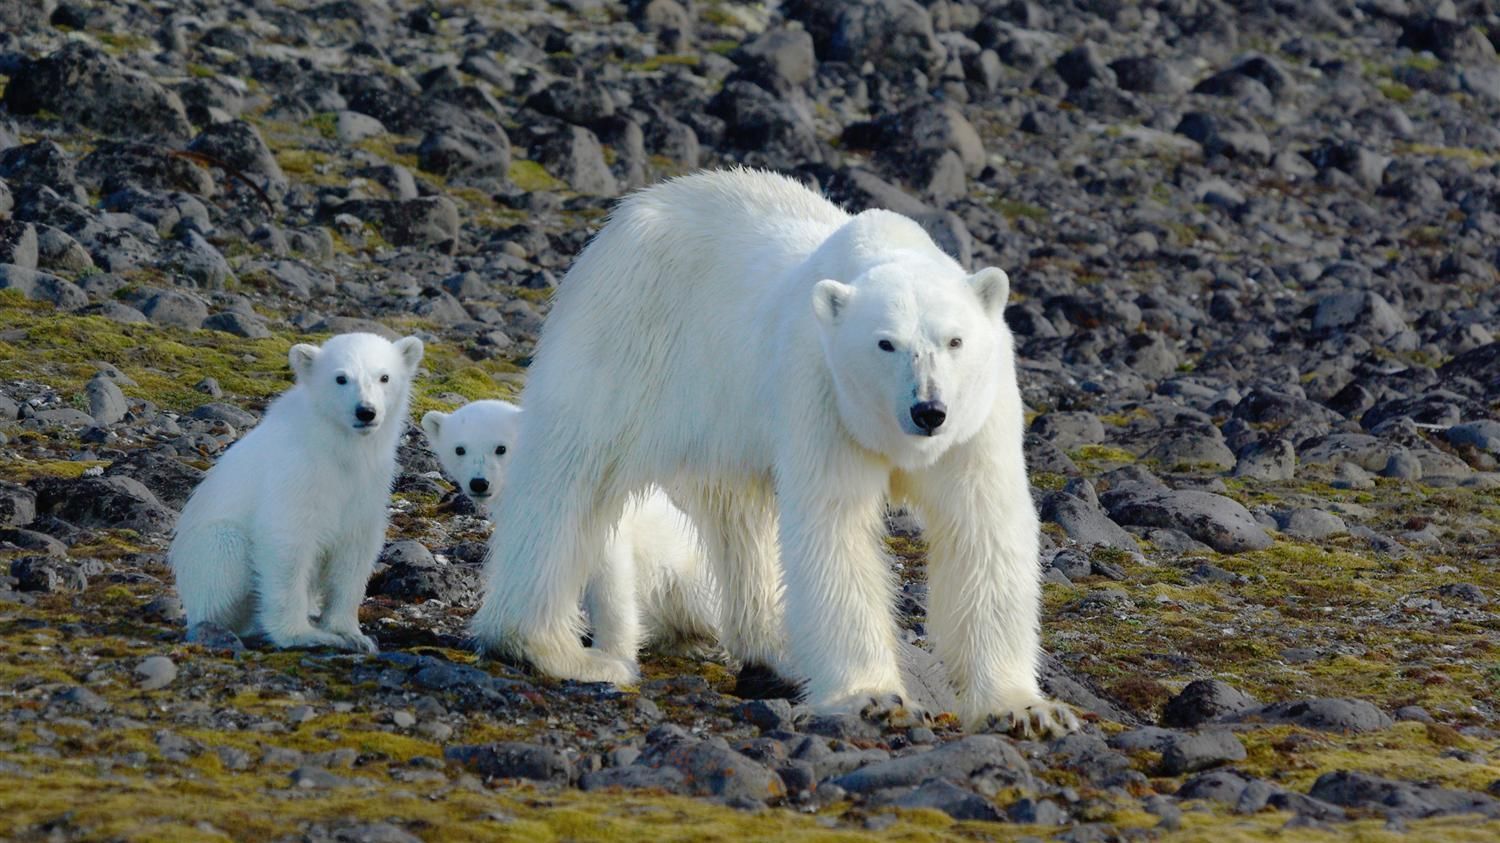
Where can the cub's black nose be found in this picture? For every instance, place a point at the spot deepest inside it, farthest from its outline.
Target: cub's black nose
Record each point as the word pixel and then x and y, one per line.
pixel 929 415
pixel 366 413
pixel 479 485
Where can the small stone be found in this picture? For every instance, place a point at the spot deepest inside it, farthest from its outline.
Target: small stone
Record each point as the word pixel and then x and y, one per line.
pixel 1204 700
pixel 155 673
pixel 1191 753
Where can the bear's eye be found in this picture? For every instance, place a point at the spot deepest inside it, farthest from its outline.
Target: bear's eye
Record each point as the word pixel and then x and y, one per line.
pixel 459 450
pixel 956 342
pixel 499 450
pixel 885 345
pixel 385 378
pixel 341 380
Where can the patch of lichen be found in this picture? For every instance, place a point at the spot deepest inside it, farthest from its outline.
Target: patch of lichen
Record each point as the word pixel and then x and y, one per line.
pixel 20 470
pixel 1095 459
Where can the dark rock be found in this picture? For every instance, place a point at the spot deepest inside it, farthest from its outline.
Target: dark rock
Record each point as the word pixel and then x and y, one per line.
pixel 957 760
pixel 1204 700
pixel 1399 799
pixel 103 502
pixel 1083 66
pixel 635 777
pixel 511 760
pixel 712 770
pixel 1213 519
pixel 1326 714
pixel 83 85
pixel 48 574
pixel 1191 753
pixel 17 505
pixel 42 286
pixel 945 796
pixel 430 221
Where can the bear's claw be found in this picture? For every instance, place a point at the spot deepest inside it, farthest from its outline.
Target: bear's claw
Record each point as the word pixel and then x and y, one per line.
pixel 891 711
pixel 1044 718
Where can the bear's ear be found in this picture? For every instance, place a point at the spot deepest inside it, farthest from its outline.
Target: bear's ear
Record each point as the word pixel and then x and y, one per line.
pixel 992 286
pixel 432 424
pixel 829 300
pixel 302 357
pixel 411 351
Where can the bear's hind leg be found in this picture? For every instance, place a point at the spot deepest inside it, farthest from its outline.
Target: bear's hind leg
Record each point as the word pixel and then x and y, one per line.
pixel 283 585
pixel 737 526
pixel 212 567
pixel 551 527
pixel 344 576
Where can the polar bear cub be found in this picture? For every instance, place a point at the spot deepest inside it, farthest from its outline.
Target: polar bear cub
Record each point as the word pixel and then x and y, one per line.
pixel 651 586
pixel 280 537
pixel 785 368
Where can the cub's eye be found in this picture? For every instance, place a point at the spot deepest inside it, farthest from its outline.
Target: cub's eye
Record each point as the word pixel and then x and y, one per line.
pixel 956 342
pixel 460 450
pixel 341 380
pixel 500 450
pixel 385 378
pixel 885 345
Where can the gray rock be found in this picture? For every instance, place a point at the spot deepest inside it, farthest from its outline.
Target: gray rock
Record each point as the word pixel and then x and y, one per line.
pixel 945 796
pixel 1191 753
pixel 1192 451
pixel 635 777
pixel 17 505
pixel 1484 435
pixel 84 85
pixel 227 413
pixel 42 286
pixel 1399 799
pixel 766 715
pixel 957 760
pixel 1212 519
pixel 239 144
pixel 1273 459
pixel 155 673
pixel 1036 812
pixel 238 324
pixel 212 636
pixel 1326 714
pixel 1083 66
pixel 172 308
pixel 316 778
pixel 891 34
pixel 1085 524
pixel 1306 523
pixel 712 770
pixel 1068 430
pixel 431 221
pixel 511 760
pixel 1224 786
pixel 780 59
pixel 18 244
pixel 47 574
pixel 104 503
pixel 107 403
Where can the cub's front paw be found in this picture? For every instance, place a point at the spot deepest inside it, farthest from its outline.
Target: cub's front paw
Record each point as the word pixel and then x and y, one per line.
pixel 356 642
pixel 587 665
pixel 1039 718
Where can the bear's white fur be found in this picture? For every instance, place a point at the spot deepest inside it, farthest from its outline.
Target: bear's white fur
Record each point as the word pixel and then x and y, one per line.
pixel 650 587
pixel 739 340
pixel 280 537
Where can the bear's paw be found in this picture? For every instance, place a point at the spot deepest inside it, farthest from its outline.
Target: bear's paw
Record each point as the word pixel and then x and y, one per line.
pixel 1041 718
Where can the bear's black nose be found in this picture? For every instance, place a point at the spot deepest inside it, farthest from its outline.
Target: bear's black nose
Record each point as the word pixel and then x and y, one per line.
pixel 366 413
pixel 929 415
pixel 479 485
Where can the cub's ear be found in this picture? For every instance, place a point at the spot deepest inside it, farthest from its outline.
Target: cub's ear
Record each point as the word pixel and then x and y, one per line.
pixel 993 288
pixel 411 351
pixel 432 424
pixel 829 300
pixel 302 356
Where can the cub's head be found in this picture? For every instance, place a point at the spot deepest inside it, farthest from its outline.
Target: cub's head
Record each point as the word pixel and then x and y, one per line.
pixel 915 348
pixel 358 382
pixel 474 444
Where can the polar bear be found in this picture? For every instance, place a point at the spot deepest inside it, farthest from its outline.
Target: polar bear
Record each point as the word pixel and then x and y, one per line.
pixel 784 369
pixel 651 586
pixel 280 537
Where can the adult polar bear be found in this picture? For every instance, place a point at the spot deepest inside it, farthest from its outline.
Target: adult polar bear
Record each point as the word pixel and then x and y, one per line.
pixel 742 342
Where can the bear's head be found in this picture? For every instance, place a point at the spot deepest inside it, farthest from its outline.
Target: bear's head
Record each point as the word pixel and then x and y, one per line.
pixel 474 444
pixel 915 347
pixel 358 381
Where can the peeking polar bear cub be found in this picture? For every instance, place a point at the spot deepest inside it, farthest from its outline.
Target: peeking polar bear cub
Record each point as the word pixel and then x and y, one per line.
pixel 650 587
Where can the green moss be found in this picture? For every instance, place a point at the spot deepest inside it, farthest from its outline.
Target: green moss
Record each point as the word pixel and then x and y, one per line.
pixel 201 71
pixel 658 62
pixel 530 176
pixel 23 470
pixel 1423 62
pixel 325 124
pixel 1012 210
pixel 1395 91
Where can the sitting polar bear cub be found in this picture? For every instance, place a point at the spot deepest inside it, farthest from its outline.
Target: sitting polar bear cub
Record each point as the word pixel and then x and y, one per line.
pixel 288 523
pixel 785 369
pixel 651 585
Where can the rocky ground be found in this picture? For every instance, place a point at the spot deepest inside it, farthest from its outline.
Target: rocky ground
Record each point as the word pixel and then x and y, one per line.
pixel 1253 247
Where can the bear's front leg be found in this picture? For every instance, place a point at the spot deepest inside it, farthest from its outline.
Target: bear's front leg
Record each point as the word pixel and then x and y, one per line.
pixel 984 586
pixel 841 633
pixel 613 603
pixel 345 575
pixel 283 586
